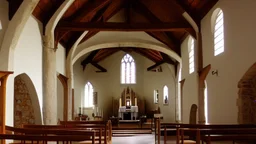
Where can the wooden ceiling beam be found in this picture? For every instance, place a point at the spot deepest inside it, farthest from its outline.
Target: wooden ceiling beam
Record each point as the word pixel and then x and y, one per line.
pixel 143 53
pixel 155 65
pixel 90 9
pixel 167 59
pixel 207 6
pixel 13 7
pixel 102 69
pixel 113 8
pixel 89 58
pixel 172 42
pixel 105 54
pixel 185 8
pixel 84 13
pixel 114 26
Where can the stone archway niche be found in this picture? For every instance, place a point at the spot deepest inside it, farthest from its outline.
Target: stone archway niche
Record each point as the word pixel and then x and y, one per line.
pixel 246 101
pixel 26 104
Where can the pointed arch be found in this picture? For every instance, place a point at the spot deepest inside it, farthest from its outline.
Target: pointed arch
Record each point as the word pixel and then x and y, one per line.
pixel 88 95
pixel 128 70
pixel 166 95
pixel 25 97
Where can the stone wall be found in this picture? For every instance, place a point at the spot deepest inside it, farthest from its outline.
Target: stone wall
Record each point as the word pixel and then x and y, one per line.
pixel 23 109
pixel 247 97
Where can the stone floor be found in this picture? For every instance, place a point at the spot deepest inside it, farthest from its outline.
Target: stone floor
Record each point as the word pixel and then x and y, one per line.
pixel 136 139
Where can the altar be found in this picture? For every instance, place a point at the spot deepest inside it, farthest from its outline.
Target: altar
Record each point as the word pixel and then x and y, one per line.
pixel 128 113
pixel 128 108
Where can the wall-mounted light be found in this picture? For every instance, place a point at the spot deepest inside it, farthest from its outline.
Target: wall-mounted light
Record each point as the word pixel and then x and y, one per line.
pixel 215 72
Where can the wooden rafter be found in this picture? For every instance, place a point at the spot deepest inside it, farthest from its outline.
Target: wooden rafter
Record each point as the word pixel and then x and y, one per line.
pixel 114 26
pixel 113 8
pixel 89 58
pixel 103 54
pixel 155 65
pixel 185 8
pixel 85 13
pixel 13 7
pixel 102 69
pixel 161 36
pixel 167 59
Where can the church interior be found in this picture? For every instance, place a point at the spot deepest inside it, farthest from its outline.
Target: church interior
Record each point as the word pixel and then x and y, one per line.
pixel 128 71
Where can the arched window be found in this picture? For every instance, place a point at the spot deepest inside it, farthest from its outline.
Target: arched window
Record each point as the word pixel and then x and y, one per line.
pixel 191 52
pixel 218 32
pixel 166 95
pixel 128 70
pixel 0 25
pixel 88 95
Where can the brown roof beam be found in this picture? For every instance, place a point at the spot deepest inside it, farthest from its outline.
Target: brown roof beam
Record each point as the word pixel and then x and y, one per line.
pixel 89 58
pixel 169 39
pixel 155 65
pixel 188 10
pixel 113 8
pixel 86 12
pixel 113 26
pixel 102 69
pixel 90 9
pixel 167 59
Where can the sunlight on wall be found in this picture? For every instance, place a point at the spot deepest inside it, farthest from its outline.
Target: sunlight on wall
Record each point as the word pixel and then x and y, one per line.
pixel 206 103
pixel 179 95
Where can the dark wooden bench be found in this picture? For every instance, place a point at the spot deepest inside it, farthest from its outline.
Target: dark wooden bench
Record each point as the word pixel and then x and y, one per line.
pixel 219 134
pixel 104 127
pixel 172 129
pixel 27 135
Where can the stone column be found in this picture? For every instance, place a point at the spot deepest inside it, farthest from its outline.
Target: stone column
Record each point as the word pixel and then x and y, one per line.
pixel 201 87
pixel 49 83
pixel 69 73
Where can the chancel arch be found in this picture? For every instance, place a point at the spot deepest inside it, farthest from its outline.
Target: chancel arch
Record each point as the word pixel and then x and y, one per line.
pixel 26 104
pixel 246 101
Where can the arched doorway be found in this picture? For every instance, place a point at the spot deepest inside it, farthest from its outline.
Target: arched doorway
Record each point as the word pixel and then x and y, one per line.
pixel 247 97
pixel 26 104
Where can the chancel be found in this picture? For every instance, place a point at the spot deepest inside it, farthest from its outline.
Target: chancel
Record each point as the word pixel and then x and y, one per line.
pixel 128 108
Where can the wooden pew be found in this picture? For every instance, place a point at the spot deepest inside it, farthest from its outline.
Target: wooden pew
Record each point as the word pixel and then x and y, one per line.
pixel 220 134
pixel 98 131
pixel 172 129
pixel 104 126
pixel 45 135
pixel 100 127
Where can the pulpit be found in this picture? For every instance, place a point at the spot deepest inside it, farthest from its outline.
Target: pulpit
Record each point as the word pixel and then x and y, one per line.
pixel 128 108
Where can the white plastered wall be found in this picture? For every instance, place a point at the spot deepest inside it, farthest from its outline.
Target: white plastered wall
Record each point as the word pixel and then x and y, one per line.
pixel 4 20
pixel 190 88
pixel 60 59
pixel 27 59
pixel 238 56
pixel 60 68
pixel 108 84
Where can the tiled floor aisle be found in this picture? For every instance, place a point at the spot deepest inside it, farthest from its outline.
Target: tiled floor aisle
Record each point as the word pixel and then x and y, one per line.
pixel 137 139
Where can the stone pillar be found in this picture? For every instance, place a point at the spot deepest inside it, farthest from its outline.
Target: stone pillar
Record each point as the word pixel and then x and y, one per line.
pixel 49 83
pixel 69 73
pixel 201 87
pixel 201 104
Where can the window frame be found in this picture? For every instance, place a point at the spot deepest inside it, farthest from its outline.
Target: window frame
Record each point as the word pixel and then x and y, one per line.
pixel 88 95
pixel 191 55
pixel 165 93
pixel 218 32
pixel 128 70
